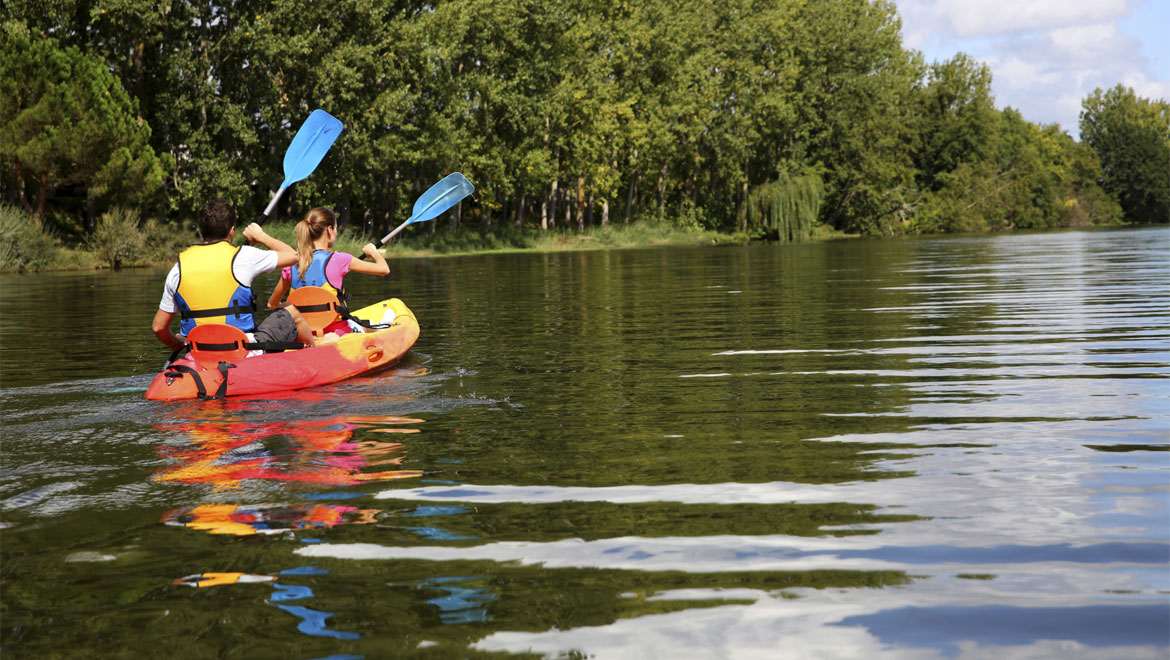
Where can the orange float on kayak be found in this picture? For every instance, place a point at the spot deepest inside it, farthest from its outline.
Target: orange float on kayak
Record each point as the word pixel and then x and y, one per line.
pixel 193 376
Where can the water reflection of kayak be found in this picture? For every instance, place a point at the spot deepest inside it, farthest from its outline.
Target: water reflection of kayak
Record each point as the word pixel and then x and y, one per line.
pixel 201 375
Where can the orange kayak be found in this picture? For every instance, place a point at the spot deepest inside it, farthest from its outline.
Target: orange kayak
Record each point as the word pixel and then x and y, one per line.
pixel 353 354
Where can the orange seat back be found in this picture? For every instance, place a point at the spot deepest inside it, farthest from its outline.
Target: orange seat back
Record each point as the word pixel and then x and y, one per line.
pixel 212 342
pixel 317 305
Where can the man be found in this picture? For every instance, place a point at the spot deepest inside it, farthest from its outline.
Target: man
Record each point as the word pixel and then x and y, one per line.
pixel 212 283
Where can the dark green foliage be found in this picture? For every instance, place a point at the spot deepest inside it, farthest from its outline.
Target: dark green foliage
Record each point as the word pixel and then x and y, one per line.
pixel 1131 135
pixel 957 118
pixel 567 114
pixel 65 120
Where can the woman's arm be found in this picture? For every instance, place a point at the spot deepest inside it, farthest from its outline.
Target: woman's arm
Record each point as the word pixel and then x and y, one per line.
pixel 377 267
pixel 278 293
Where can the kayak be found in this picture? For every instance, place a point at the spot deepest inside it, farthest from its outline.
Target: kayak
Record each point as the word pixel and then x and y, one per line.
pixel 353 354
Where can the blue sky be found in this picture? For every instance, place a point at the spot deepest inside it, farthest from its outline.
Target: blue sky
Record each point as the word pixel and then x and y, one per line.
pixel 1047 55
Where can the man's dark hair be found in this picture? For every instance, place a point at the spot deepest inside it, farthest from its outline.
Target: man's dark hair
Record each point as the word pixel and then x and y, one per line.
pixel 216 219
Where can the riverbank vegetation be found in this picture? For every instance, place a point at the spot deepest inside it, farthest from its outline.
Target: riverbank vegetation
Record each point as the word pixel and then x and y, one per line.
pixel 739 119
pixel 121 240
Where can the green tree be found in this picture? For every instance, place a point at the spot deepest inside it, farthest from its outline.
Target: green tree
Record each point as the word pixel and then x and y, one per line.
pixel 957 120
pixel 853 99
pixel 1131 136
pixel 64 119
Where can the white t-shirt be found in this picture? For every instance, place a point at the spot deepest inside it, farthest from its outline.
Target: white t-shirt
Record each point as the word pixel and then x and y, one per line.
pixel 249 263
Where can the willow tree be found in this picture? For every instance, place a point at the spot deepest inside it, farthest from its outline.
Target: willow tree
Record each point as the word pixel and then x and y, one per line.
pixel 789 206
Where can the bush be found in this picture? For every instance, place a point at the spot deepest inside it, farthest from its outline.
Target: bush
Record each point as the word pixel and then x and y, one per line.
pixel 164 242
pixel 24 246
pixel 116 240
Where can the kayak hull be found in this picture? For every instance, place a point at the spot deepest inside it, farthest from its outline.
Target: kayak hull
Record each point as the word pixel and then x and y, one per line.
pixel 354 354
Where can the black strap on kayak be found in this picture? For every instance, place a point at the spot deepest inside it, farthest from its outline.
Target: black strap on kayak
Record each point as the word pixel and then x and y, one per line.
pixel 234 310
pixel 178 370
pixel 266 346
pixel 208 346
pixel 176 353
pixel 221 393
pixel 272 346
pixel 322 307
pixel 343 312
pixel 345 315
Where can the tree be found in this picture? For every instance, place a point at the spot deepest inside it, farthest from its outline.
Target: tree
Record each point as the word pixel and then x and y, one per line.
pixel 65 119
pixel 957 120
pixel 853 93
pixel 1131 136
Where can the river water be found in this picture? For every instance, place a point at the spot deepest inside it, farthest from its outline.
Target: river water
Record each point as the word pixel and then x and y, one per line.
pixel 931 448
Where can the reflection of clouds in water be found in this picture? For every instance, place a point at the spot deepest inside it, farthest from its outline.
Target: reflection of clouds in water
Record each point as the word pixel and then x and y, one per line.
pixel 1020 570
pixel 829 623
pixel 1023 487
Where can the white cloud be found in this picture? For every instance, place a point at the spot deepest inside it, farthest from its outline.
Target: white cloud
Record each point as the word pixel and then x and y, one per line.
pixel 967 19
pixel 1045 55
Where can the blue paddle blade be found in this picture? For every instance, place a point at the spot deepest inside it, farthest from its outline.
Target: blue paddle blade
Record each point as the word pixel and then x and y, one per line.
pixel 309 146
pixel 440 197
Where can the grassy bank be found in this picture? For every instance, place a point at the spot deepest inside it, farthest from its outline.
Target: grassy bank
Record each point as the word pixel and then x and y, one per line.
pixel 122 240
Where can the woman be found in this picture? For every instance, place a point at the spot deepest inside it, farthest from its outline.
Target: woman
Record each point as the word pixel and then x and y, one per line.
pixel 319 265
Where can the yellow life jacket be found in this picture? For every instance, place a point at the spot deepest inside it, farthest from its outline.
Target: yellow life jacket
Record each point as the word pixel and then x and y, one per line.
pixel 209 291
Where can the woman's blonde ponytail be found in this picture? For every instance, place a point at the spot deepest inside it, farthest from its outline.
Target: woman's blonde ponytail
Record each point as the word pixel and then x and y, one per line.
pixel 308 231
pixel 304 248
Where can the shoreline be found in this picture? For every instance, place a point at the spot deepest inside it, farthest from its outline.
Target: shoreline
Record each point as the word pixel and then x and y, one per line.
pixel 622 237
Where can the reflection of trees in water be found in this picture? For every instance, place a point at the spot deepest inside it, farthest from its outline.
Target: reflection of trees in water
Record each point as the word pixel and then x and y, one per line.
pixel 589 521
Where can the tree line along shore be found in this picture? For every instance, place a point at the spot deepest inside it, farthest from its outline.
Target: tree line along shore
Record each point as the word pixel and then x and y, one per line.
pixel 578 121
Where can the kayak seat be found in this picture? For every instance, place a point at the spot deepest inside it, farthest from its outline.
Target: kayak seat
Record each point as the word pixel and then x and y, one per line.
pixel 319 307
pixel 212 342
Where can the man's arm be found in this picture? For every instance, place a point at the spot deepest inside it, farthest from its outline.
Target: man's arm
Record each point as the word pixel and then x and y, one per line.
pixel 162 330
pixel 285 255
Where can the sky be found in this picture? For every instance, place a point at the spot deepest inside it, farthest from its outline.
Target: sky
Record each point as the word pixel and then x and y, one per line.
pixel 1046 56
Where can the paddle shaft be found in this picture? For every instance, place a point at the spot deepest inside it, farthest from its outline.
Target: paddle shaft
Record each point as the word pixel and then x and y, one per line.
pixel 438 198
pixel 387 237
pixel 271 205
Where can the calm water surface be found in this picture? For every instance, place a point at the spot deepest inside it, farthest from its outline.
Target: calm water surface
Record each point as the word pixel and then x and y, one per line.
pixel 900 449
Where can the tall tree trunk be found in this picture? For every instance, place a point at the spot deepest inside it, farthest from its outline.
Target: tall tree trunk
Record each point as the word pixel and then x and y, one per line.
pixel 604 212
pixel 90 204
pixel 456 215
pixel 695 182
pixel 633 187
pixel 568 208
pixel 581 203
pixel 24 203
pixel 552 207
pixel 520 212
pixel 662 192
pixel 42 195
